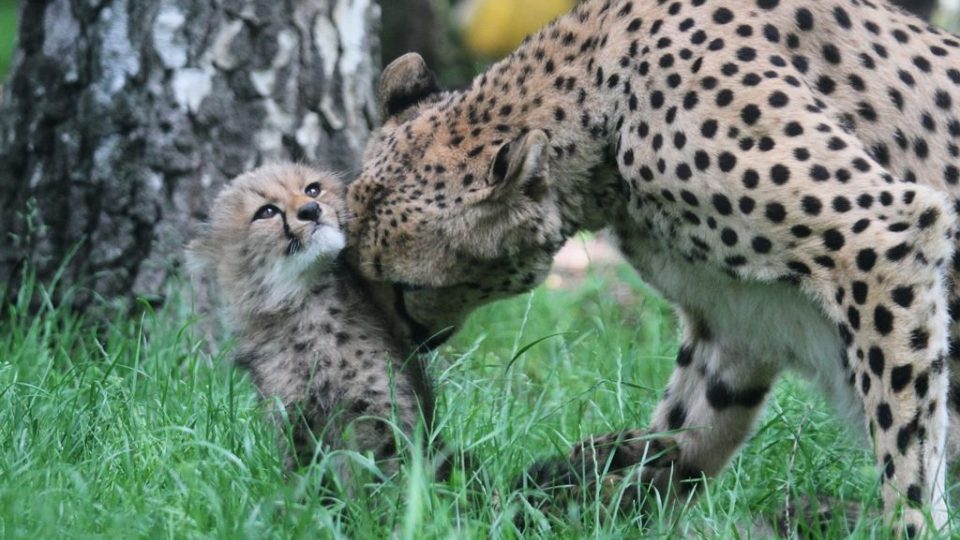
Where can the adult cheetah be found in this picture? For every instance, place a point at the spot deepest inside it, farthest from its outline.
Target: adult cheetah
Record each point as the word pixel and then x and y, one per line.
pixel 785 172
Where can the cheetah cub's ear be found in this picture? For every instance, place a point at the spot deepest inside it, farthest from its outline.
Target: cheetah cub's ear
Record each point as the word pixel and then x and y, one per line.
pixel 200 255
pixel 521 166
pixel 404 83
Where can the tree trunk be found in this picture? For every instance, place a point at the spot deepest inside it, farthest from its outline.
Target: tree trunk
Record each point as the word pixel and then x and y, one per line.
pixel 121 118
pixel 425 27
pixel 921 8
pixel 411 26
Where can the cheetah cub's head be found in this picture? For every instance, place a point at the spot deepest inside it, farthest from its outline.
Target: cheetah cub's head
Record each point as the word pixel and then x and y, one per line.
pixel 446 199
pixel 272 233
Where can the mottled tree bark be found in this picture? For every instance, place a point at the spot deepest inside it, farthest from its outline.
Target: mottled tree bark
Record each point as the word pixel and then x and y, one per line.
pixel 121 118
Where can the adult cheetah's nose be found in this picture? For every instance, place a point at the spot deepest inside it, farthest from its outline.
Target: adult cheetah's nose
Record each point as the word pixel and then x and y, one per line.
pixel 309 212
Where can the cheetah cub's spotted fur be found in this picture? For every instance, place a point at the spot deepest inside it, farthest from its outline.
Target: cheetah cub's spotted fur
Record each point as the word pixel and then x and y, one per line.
pixel 786 172
pixel 307 327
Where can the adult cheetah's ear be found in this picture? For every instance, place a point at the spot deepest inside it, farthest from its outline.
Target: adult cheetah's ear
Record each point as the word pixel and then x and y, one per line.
pixel 404 83
pixel 521 164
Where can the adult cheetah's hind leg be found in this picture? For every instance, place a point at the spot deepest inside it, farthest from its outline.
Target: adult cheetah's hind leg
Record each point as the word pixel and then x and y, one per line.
pixel 953 409
pixel 893 295
pixel 870 249
pixel 707 412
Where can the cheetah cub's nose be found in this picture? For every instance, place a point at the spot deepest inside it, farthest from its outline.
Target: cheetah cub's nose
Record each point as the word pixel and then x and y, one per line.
pixel 309 212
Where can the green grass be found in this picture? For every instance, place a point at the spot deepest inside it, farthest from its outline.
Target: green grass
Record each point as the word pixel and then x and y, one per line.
pixel 136 432
pixel 8 33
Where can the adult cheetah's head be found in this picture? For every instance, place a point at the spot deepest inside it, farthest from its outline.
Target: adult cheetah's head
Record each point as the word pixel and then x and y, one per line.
pixel 446 198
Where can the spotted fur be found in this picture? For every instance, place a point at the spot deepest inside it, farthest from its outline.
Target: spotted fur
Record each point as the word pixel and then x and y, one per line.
pixel 784 171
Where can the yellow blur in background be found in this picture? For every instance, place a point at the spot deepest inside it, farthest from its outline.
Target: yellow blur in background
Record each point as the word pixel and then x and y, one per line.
pixel 493 28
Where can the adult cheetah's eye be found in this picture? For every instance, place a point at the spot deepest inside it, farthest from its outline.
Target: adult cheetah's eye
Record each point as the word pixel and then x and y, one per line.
pixel 313 190
pixel 266 211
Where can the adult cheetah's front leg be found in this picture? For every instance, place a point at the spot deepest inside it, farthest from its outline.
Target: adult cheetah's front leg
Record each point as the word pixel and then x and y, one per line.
pixel 714 396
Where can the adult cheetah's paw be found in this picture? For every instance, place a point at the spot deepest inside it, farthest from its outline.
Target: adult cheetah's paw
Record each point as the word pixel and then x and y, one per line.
pixel 615 471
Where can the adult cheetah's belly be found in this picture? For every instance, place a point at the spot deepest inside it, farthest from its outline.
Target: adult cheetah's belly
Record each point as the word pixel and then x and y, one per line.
pixel 768 325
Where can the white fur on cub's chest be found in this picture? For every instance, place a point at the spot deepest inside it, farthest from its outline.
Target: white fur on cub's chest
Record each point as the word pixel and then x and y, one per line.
pixel 757 325
pixel 285 277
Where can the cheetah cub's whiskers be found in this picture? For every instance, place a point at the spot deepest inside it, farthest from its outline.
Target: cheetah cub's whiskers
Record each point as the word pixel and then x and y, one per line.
pixel 307 327
pixel 306 264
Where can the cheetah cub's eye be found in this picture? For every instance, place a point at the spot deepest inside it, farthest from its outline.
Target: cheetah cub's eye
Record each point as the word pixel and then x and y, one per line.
pixel 266 212
pixel 313 190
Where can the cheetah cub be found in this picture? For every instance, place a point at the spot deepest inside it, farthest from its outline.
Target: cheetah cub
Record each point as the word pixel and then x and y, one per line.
pixel 306 327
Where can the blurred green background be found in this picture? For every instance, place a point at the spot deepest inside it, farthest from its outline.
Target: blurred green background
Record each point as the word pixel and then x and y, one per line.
pixel 8 33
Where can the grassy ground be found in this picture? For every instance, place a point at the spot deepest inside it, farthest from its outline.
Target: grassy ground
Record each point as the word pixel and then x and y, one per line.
pixel 136 432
